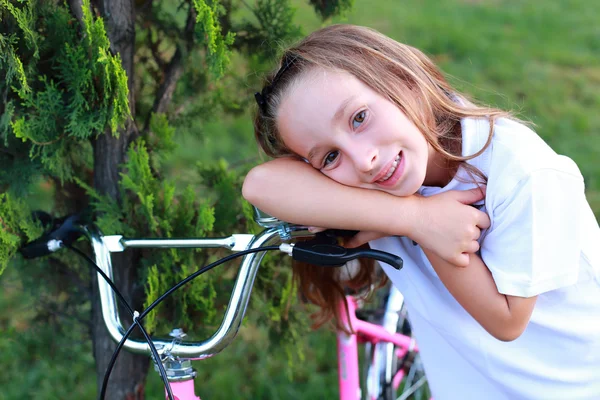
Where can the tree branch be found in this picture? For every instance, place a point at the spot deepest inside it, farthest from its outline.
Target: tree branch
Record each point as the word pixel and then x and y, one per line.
pixel 153 46
pixel 174 69
pixel 76 7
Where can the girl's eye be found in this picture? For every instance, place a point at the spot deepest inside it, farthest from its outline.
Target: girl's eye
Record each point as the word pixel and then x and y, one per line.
pixel 330 158
pixel 359 119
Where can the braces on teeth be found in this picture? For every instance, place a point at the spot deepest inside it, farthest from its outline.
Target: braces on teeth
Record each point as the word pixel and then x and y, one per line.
pixel 392 169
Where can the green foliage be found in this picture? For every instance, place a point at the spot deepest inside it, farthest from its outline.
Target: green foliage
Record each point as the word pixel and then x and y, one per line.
pixel 60 88
pixel 12 65
pixel 110 75
pixel 208 28
pixel 152 202
pixel 152 208
pixel 154 288
pixel 220 212
pixel 273 29
pixel 225 185
pixel 25 18
pixel 206 54
pixel 329 8
pixel 139 181
pixel 161 135
pixel 16 225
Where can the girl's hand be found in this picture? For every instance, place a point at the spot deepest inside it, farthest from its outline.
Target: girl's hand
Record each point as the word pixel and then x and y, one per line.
pixel 446 224
pixel 449 226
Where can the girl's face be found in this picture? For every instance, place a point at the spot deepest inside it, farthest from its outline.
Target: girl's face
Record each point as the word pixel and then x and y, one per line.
pixel 355 136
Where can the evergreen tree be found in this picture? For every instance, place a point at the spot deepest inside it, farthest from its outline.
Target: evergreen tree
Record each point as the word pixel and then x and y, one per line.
pixel 93 97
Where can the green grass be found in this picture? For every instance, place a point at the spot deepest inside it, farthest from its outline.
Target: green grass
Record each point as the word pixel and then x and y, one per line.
pixel 538 58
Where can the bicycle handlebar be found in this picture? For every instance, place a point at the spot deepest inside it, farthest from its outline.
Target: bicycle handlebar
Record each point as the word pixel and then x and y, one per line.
pixel 321 250
pixel 234 312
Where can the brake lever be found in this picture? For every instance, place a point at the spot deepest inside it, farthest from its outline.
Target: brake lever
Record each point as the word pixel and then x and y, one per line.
pixel 334 255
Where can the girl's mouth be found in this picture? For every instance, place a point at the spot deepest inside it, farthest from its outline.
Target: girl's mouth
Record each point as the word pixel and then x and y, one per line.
pixel 394 172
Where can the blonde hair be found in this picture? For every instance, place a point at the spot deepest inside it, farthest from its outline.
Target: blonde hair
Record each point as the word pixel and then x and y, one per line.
pixel 398 72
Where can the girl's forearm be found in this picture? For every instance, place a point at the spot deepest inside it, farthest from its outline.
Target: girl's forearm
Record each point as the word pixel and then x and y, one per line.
pixel 293 191
pixel 504 317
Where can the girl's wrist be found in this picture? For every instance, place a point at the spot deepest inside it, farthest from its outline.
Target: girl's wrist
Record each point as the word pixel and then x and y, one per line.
pixel 409 221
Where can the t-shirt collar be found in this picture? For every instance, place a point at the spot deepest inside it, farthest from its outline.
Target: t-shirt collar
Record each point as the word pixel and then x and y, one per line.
pixel 474 133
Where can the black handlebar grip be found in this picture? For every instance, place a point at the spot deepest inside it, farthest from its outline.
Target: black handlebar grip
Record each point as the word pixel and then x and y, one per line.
pixel 65 230
pixel 335 256
pixel 391 259
pixel 37 248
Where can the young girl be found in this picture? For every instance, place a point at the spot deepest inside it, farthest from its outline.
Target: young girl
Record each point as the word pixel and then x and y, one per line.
pixel 501 249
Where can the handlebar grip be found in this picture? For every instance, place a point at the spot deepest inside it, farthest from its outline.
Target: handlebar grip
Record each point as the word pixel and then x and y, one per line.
pixel 335 256
pixel 64 230
pixel 37 248
pixel 392 260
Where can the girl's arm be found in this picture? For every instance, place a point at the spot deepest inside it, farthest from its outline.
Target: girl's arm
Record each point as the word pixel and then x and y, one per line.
pixel 504 317
pixel 293 191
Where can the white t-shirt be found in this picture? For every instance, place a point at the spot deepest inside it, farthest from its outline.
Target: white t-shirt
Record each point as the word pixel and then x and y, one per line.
pixel 543 240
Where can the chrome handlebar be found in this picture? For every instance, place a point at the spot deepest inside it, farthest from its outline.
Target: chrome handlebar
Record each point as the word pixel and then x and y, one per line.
pixel 103 246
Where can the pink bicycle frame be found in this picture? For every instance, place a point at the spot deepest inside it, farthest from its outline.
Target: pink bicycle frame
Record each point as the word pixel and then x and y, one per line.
pixel 183 390
pixel 348 372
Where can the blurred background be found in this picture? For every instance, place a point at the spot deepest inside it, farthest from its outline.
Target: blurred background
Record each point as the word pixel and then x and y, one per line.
pixel 538 58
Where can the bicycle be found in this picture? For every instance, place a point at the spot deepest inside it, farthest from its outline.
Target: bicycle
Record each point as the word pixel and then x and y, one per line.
pixel 392 354
pixel 394 371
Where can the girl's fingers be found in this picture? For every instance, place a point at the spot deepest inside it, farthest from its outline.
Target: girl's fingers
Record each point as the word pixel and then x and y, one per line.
pixel 470 196
pixel 476 233
pixel 473 247
pixel 462 260
pixel 316 229
pixel 483 220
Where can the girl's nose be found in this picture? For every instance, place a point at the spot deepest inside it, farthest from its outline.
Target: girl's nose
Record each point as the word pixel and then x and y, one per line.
pixel 365 160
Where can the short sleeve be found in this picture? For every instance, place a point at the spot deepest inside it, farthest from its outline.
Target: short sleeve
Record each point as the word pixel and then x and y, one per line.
pixel 534 243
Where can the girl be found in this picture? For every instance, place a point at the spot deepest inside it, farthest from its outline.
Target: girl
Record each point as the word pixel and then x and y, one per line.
pixel 505 300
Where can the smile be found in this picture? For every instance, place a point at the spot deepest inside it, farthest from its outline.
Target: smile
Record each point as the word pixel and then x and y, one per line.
pixel 393 172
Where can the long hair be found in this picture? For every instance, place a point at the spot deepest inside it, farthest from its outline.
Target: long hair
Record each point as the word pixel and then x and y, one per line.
pixel 326 287
pixel 400 73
